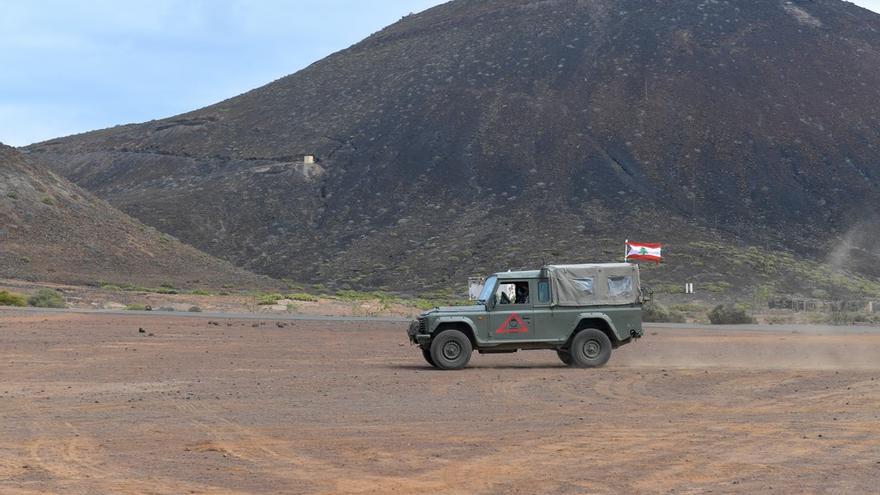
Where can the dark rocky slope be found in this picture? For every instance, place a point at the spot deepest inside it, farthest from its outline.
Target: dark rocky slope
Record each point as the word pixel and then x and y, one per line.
pixel 492 133
pixel 53 231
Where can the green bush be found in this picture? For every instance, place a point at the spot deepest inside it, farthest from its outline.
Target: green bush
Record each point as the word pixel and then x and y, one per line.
pixel 268 299
pixel 135 307
pixel 729 315
pixel 717 287
pixel 125 287
pixel 354 296
pixel 195 309
pixel 167 288
pixel 47 298
pixel 12 299
pixel 302 297
pixel 655 313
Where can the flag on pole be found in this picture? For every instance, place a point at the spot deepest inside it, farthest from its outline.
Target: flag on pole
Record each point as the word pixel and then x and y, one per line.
pixel 643 251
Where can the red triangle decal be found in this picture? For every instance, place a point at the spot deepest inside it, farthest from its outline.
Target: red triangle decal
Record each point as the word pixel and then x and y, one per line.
pixel 522 328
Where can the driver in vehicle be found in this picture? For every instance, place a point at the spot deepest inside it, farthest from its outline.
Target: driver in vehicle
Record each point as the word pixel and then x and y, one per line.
pixel 522 293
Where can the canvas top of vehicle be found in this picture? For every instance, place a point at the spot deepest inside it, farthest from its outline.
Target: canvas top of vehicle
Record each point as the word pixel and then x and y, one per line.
pixel 579 285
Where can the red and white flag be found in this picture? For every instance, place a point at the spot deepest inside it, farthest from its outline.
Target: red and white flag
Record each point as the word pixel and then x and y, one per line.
pixel 643 251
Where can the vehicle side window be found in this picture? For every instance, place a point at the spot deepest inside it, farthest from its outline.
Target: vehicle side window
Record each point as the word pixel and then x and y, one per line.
pixel 543 291
pixel 585 284
pixel 620 286
pixel 513 293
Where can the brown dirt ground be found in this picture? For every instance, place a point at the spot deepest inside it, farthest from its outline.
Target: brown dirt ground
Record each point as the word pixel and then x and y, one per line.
pixel 90 405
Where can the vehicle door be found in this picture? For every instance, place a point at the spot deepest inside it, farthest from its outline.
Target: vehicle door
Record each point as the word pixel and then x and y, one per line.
pixel 542 314
pixel 511 317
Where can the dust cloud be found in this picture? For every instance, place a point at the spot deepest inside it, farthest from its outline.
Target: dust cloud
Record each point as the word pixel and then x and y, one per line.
pixel 858 249
pixel 697 349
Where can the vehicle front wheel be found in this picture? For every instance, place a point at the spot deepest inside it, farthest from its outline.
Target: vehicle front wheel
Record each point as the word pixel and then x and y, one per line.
pixel 426 353
pixel 590 348
pixel 564 356
pixel 451 350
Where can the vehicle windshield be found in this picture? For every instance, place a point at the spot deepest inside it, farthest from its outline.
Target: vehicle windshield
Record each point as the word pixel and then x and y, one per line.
pixel 487 289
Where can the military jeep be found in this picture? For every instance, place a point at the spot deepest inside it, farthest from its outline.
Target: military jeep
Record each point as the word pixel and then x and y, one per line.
pixel 580 311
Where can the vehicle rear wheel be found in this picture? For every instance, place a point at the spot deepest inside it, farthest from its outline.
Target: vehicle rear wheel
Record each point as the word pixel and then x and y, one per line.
pixel 426 353
pixel 564 356
pixel 451 350
pixel 590 348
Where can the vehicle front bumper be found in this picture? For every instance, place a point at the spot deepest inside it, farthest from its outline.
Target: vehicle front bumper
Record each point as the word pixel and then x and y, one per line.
pixel 417 332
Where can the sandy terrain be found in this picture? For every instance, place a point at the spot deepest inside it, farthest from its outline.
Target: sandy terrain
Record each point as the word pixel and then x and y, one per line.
pixel 88 405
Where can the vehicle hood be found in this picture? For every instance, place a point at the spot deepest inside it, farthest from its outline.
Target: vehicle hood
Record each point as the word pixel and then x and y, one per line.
pixel 454 309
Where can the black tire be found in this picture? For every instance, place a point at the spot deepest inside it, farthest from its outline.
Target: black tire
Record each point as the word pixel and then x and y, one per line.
pixel 426 353
pixel 590 348
pixel 564 356
pixel 451 350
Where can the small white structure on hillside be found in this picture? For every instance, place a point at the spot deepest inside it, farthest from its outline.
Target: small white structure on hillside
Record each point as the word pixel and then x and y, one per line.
pixel 309 159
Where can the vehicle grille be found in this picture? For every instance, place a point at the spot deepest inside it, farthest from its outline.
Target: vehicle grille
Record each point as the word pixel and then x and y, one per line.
pixel 423 325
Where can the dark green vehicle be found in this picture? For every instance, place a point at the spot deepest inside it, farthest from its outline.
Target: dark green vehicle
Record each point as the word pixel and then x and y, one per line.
pixel 580 311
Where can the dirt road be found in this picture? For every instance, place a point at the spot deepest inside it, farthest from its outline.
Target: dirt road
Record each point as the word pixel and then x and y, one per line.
pixel 88 405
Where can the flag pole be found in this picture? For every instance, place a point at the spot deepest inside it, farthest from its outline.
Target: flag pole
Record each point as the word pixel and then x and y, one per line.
pixel 625 250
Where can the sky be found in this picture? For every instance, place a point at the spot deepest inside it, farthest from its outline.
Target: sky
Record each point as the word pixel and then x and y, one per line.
pixel 69 66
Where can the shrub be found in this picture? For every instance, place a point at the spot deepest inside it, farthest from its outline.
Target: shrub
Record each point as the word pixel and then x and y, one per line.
pixel 302 297
pixel 12 299
pixel 354 296
pixel 729 315
pixel 655 313
pixel 195 309
pixel 268 299
pixel 718 287
pixel 47 201
pixel 425 304
pixel 135 307
pixel 167 288
pixel 125 287
pixel 47 298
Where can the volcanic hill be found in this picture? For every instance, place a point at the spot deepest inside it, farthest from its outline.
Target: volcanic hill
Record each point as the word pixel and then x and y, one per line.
pixel 486 134
pixel 54 231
